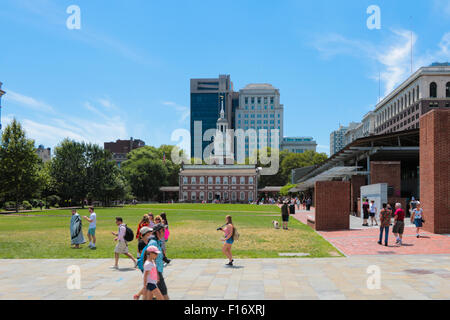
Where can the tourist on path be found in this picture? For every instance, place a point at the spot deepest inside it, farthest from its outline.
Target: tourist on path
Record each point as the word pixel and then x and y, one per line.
pixel 385 221
pixel 122 245
pixel 373 212
pixel 76 232
pixel 166 235
pixel 145 222
pixel 399 224
pixel 92 227
pixel 417 218
pixel 308 203
pixel 365 208
pixel 155 240
pixel 228 239
pixel 151 274
pixel 412 205
pixel 146 232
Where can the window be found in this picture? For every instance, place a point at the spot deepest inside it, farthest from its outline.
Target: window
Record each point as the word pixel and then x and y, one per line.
pixel 242 180
pixel 210 196
pixel 250 196
pixel 193 196
pixel 233 196
pixel 202 180
pixel 225 195
pixel 253 100
pixel 225 180
pixel 233 180
pixel 250 180
pixel 265 100
pixel 202 196
pixel 259 100
pixel 185 196
pixel 433 90
pixel 210 180
pixel 217 180
pixel 242 196
pixel 271 100
pixel 447 90
pixel 185 180
pixel 193 180
pixel 246 100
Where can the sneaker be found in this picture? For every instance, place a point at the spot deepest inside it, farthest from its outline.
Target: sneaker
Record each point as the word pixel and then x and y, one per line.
pixel 379 242
pixel 115 267
pixel 418 236
pixel 230 263
pixel 93 248
pixel 385 244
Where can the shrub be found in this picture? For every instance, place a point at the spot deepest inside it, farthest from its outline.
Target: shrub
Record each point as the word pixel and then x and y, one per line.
pixel 9 204
pixel 27 205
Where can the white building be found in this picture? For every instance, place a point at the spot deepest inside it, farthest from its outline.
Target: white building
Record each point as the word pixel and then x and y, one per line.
pixel 298 144
pixel 259 109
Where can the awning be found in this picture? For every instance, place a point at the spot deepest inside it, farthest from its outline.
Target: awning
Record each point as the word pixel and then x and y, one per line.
pixel 169 189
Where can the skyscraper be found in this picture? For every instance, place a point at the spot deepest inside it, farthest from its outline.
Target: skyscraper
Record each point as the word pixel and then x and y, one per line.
pixel 1 94
pixel 259 109
pixel 206 95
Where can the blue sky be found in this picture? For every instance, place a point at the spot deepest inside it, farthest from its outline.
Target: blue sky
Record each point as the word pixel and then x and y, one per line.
pixel 126 72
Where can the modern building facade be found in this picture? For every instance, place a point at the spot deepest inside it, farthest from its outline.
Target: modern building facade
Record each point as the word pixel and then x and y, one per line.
pixel 43 153
pixel 298 144
pixel 220 183
pixel 1 94
pixel 259 108
pixel 337 137
pixel 427 89
pixel 206 96
pixel 121 148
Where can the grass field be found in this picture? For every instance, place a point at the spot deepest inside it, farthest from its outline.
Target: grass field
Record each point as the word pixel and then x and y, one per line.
pixel 193 233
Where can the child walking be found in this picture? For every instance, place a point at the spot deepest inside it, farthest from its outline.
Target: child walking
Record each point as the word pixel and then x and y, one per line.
pixel 151 274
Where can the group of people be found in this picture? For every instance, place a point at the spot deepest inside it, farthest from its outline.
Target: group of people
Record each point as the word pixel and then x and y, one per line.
pixel 386 214
pixel 76 230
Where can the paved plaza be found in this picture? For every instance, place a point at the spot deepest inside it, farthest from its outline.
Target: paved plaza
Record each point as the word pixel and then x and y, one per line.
pixel 401 277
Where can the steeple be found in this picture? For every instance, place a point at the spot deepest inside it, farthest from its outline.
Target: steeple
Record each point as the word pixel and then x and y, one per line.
pixel 222 113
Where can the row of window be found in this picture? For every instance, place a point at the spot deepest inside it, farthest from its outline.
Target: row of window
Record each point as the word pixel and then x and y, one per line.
pixel 259 108
pixel 398 106
pixel 258 99
pixel 259 115
pixel 218 180
pixel 259 121
pixel 434 87
pixel 201 196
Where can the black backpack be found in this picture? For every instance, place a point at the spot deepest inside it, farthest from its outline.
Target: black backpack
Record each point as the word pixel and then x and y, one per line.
pixel 129 235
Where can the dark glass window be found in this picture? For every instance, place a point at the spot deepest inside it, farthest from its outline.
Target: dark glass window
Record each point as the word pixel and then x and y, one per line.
pixel 447 90
pixel 433 90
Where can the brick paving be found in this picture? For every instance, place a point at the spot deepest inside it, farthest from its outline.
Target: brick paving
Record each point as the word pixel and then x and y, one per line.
pixel 363 240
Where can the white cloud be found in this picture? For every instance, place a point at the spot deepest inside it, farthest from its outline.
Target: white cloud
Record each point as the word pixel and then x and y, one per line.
pixel 27 102
pixel 182 111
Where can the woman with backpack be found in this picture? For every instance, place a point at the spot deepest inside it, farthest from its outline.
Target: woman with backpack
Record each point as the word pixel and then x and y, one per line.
pixel 229 232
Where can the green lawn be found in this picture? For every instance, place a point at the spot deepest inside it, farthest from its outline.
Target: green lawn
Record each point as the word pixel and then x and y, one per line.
pixel 192 226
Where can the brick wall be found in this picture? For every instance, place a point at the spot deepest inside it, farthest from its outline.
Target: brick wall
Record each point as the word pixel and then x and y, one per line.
pixel 387 172
pixel 356 183
pixel 332 205
pixel 435 171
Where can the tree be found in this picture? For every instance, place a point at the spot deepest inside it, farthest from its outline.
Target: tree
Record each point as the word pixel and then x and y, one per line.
pixel 68 169
pixel 46 181
pixel 300 160
pixel 18 164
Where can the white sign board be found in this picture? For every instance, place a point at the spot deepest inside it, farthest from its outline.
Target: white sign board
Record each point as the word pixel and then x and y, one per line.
pixel 375 192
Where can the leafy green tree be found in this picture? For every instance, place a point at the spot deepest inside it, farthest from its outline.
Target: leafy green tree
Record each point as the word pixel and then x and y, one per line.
pixel 46 182
pixel 18 165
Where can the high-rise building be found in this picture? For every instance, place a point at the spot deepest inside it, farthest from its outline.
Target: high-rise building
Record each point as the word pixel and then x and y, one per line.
pixel 121 148
pixel 206 96
pixel 1 94
pixel 259 109
pixel 43 153
pixel 337 137
pixel 298 144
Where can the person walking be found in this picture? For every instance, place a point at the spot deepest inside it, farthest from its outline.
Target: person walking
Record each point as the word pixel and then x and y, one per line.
pixel 373 212
pixel 417 218
pixel 228 239
pixel 145 222
pixel 92 227
pixel 385 221
pixel 412 205
pixel 365 208
pixel 122 245
pixel 146 233
pixel 166 235
pixel 308 203
pixel 285 214
pixel 76 232
pixel 399 224
pixel 151 274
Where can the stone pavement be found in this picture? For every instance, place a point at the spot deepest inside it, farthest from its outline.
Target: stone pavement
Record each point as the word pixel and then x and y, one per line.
pixel 361 240
pixel 401 277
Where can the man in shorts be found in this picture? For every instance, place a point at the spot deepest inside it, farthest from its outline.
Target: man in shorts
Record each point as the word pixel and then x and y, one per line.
pixel 122 245
pixel 92 226
pixel 399 223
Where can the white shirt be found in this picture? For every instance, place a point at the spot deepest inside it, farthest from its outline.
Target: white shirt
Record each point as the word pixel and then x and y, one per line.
pixel 153 274
pixel 373 208
pixel 93 217
pixel 122 231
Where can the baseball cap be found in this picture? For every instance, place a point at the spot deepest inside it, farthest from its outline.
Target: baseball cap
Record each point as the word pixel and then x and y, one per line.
pixel 145 230
pixel 158 227
pixel 152 249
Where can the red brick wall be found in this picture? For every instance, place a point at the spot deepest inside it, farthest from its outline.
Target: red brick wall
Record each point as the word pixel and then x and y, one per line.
pixel 332 205
pixel 435 171
pixel 356 183
pixel 387 172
